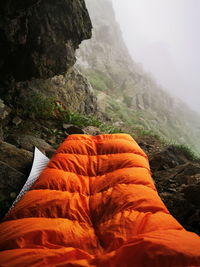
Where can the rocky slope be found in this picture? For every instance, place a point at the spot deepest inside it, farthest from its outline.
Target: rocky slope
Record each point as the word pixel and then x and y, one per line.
pixel 138 100
pixel 177 180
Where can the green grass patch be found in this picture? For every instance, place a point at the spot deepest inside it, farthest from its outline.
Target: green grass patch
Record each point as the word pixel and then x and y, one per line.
pixel 84 121
pixel 36 106
pixel 187 152
pixel 100 81
pixel 143 132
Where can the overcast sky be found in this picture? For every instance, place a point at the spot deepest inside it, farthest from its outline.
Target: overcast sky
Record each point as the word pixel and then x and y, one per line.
pixel 164 36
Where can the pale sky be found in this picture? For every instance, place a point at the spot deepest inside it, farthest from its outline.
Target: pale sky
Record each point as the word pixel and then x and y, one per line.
pixel 164 36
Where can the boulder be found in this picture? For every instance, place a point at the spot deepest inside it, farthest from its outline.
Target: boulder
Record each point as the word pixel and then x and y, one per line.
pixel 41 37
pixel 28 142
pixel 19 159
pixel 72 129
pixel 91 130
pixel 17 121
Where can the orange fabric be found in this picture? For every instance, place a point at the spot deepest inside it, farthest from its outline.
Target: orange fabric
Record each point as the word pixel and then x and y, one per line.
pixel 95 205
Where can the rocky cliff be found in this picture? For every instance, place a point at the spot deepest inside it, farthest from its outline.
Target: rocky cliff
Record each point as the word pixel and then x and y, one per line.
pixel 38 42
pixel 138 100
pixel 39 38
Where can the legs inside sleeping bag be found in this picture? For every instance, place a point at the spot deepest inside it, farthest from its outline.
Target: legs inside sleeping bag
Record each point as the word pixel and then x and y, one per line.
pixel 95 204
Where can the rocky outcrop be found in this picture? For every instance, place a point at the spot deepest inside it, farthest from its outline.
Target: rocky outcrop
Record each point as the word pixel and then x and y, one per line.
pixel 177 180
pixel 71 89
pixel 179 189
pixel 37 52
pixel 39 38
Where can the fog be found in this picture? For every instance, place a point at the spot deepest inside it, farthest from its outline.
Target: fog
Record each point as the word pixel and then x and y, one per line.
pixel 164 36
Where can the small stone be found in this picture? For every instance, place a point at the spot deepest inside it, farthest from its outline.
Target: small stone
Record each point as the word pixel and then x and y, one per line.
pixel 165 194
pixel 118 124
pixel 192 180
pixel 4 110
pixel 17 120
pixel 65 134
pixel 13 195
pixel 172 190
pixel 91 130
pixel 74 130
pixel 52 141
pixel 66 126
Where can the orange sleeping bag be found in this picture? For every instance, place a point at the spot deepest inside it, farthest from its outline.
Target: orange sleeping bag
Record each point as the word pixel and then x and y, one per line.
pixel 95 204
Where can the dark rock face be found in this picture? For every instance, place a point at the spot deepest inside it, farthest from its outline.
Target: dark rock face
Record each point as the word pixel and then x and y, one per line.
pixel 39 38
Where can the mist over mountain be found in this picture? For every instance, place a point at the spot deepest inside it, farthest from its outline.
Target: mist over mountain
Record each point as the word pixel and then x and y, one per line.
pixel 126 93
pixel 158 60
pixel 164 37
